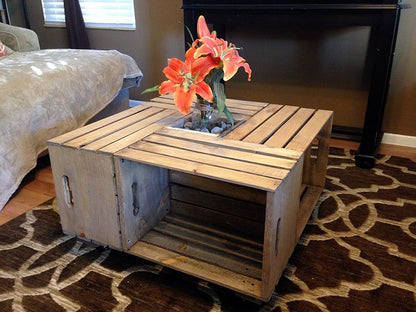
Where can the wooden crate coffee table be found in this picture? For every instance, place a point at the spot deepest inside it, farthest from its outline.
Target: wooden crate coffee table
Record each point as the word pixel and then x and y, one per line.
pixel 228 209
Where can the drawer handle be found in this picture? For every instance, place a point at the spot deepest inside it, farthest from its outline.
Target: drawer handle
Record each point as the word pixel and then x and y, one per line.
pixel 67 191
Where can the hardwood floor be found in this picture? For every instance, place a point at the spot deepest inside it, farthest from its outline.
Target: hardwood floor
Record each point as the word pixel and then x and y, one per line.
pixel 42 187
pixel 30 195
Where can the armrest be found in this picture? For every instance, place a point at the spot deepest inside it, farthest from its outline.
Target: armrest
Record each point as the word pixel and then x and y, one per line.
pixel 18 38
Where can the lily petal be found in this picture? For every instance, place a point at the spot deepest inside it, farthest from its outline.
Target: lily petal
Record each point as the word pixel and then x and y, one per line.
pixel 204 90
pixel 202 28
pixel 175 64
pixel 190 57
pixel 247 70
pixel 230 69
pixel 184 98
pixel 167 87
pixel 173 70
pixel 203 65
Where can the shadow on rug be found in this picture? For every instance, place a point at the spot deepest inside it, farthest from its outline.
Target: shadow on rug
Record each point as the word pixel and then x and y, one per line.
pixel 358 253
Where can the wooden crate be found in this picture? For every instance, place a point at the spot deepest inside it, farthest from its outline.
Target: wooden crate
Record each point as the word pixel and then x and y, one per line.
pixel 221 210
pixel 228 209
pixel 83 170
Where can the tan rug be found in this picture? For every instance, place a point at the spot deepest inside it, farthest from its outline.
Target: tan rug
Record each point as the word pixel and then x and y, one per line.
pixel 358 253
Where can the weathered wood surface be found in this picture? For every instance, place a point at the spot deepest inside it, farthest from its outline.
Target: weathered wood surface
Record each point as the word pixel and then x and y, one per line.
pixel 228 209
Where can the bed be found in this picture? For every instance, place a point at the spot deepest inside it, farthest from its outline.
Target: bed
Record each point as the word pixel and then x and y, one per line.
pixel 45 93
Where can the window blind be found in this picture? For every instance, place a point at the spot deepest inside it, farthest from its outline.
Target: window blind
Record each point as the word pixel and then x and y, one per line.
pixel 97 13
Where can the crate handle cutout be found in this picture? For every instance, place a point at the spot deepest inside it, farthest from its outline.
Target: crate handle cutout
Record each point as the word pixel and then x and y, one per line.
pixel 135 200
pixel 276 243
pixel 67 191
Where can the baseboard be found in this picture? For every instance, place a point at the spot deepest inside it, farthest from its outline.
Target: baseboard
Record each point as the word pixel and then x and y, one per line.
pixel 133 103
pixel 398 139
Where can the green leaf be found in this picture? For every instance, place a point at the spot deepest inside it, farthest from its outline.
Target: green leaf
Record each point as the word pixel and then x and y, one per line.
pixel 229 116
pixel 152 89
pixel 220 96
pixel 217 75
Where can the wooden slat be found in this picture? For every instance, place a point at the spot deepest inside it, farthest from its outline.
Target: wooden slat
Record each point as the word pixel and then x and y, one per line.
pixel 236 107
pixel 307 204
pixel 280 228
pixel 120 134
pixel 143 199
pixel 210 241
pixel 231 102
pixel 310 130
pixel 111 128
pixel 91 185
pixel 265 130
pixel 240 192
pixel 207 254
pixel 220 157
pixel 200 269
pixel 245 106
pixel 282 136
pixel 247 127
pixel 217 202
pixel 163 102
pixel 202 227
pixel 97 125
pixel 218 161
pixel 244 102
pixel 202 169
pixel 237 145
pixel 138 135
pixel 239 225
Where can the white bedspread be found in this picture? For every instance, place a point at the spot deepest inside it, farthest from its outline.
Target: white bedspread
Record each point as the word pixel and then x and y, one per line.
pixel 49 92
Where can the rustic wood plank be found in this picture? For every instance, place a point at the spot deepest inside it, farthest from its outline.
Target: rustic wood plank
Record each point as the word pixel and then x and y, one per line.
pixel 111 128
pixel 97 125
pixel 241 108
pixel 239 225
pixel 287 131
pixel 318 129
pixel 219 187
pixel 220 150
pixel 209 241
pixel 83 186
pixel 265 130
pixel 280 228
pixel 217 202
pixel 141 208
pixel 307 204
pixel 123 132
pixel 232 102
pixel 247 127
pixel 260 105
pixel 204 228
pixel 310 130
pixel 138 135
pixel 197 251
pixel 219 157
pixel 198 268
pixel 281 153
pixel 202 169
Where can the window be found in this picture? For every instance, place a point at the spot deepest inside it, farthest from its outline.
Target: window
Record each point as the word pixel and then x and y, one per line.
pixel 97 13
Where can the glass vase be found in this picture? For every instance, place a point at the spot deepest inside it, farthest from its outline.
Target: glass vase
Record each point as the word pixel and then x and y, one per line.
pixel 204 115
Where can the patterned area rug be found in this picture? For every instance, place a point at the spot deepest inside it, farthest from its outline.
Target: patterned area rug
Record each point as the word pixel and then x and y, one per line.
pixel 358 253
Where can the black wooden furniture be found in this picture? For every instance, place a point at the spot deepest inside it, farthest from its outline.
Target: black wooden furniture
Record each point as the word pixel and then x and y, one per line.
pixel 382 15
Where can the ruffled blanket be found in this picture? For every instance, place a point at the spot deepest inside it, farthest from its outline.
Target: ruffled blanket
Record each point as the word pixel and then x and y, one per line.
pixel 49 92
